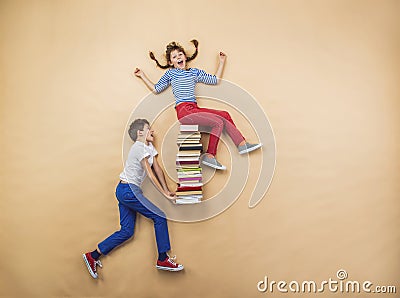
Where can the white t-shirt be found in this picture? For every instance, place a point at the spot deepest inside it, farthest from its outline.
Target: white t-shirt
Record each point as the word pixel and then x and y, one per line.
pixel 133 171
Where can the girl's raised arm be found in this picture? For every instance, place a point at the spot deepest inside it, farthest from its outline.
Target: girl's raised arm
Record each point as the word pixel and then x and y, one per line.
pixel 149 84
pixel 222 58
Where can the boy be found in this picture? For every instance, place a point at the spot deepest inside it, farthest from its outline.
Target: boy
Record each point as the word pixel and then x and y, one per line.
pixel 142 156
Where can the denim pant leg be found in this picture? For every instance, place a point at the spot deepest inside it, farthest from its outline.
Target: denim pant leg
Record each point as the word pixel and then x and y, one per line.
pixel 127 222
pixel 142 205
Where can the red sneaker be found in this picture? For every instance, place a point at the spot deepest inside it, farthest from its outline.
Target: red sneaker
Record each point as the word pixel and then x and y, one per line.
pixel 169 265
pixel 91 264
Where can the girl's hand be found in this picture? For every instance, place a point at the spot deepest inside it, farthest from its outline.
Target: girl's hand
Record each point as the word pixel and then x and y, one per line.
pixel 222 57
pixel 138 72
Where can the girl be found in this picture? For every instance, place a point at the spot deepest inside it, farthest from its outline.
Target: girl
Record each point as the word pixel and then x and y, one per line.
pixel 183 81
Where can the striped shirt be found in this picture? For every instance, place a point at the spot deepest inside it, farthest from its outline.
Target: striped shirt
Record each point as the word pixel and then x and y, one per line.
pixel 183 82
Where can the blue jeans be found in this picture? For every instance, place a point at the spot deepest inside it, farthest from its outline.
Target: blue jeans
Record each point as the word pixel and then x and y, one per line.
pixel 132 200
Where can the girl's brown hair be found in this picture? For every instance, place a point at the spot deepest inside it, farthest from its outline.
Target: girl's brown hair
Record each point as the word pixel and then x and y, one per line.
pixel 172 46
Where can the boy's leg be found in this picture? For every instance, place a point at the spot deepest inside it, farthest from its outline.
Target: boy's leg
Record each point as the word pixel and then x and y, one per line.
pixel 142 205
pixel 127 222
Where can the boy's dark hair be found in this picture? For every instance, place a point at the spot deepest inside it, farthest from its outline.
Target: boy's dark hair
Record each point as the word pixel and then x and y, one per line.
pixel 172 46
pixel 136 125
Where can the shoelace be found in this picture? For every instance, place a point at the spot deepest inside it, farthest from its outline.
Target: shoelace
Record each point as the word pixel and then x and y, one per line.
pixel 99 263
pixel 171 260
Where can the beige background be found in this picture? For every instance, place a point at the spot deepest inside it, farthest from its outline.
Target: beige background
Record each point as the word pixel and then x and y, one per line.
pixel 327 74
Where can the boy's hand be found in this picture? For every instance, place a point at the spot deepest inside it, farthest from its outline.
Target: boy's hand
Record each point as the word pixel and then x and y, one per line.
pixel 222 57
pixel 171 198
pixel 170 193
pixel 138 72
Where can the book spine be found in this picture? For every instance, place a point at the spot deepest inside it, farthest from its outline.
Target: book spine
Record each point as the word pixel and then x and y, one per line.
pixel 187 160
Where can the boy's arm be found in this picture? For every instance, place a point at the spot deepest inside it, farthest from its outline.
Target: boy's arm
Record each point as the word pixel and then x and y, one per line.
pixel 222 58
pixel 160 175
pixel 149 84
pixel 153 179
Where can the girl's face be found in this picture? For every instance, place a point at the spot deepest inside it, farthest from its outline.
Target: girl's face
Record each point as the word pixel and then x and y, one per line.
pixel 178 59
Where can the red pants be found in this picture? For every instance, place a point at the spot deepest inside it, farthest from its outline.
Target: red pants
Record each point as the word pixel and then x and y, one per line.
pixel 190 113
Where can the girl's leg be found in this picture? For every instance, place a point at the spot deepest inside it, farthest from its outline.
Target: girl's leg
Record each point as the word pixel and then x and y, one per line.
pixel 190 114
pixel 229 125
pixel 233 132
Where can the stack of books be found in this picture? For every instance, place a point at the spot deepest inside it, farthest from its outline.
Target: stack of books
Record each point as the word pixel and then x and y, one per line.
pixel 188 165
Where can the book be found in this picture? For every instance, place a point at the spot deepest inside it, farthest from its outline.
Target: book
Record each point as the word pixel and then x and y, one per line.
pixel 189 135
pixel 187 201
pixel 196 175
pixel 194 139
pixel 197 179
pixel 189 127
pixel 188 161
pixel 189 153
pixel 190 184
pixel 187 141
pixel 180 170
pixel 185 147
pixel 188 173
pixel 190 197
pixel 191 145
pixel 188 188
pixel 190 192
pixel 187 158
pixel 187 164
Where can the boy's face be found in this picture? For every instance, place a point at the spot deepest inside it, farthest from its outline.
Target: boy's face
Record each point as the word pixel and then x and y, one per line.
pixel 178 59
pixel 148 133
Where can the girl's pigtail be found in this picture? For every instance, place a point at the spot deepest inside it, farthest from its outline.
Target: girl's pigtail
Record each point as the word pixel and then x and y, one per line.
pixel 196 45
pixel 158 64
